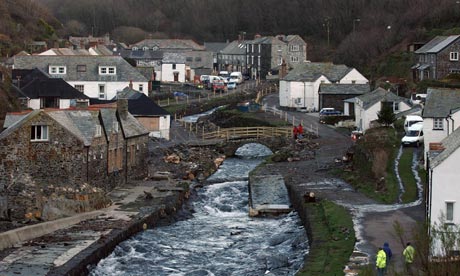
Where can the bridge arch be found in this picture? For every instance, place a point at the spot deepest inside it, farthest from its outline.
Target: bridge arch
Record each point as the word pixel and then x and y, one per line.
pixel 228 148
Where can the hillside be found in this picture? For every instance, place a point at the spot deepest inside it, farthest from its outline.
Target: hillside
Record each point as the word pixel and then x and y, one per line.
pixel 23 21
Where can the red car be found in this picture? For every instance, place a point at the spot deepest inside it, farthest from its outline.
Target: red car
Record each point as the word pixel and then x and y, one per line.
pixel 218 86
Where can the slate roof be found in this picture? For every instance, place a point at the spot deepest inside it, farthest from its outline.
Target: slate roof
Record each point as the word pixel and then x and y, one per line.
pixel 379 95
pixel 12 118
pixel 170 44
pixel 17 121
pixel 451 143
pixel 235 48
pixel 21 77
pixel 65 52
pixel 311 71
pixel 141 105
pixel 81 123
pixel 131 126
pixel 343 89
pixel 177 58
pixel 124 71
pixel 437 44
pixel 440 101
pixel 39 88
pixel 215 47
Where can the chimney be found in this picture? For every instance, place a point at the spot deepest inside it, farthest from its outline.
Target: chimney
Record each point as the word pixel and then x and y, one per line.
pixel 122 107
pixel 130 84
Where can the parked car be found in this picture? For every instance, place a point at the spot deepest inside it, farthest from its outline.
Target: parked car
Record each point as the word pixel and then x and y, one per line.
pixel 231 85
pixel 237 77
pixel 329 111
pixel 218 86
pixel 302 109
pixel 411 120
pixel 414 135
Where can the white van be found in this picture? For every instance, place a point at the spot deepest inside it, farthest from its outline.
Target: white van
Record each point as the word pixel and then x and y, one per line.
pixel 414 135
pixel 236 77
pixel 410 120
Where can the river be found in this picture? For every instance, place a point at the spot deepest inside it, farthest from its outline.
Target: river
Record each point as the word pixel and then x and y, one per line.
pixel 218 238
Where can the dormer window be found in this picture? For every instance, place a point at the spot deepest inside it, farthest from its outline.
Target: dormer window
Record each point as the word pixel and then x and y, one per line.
pixel 107 70
pixel 57 70
pixel 145 48
pixel 135 48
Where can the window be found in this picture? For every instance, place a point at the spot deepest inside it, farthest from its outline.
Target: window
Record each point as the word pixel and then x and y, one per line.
pixel 294 59
pixel 115 127
pixel 145 48
pixel 98 131
pixel 107 70
pixel 101 92
pixel 449 211
pixel 260 46
pixel 454 71
pixel 80 87
pixel 258 61
pixel 57 70
pixel 438 124
pixel 135 48
pixel 253 48
pixel 174 66
pixel 453 56
pixel 141 87
pixel 189 59
pixel 39 133
pixel 197 58
pixel 395 106
pixel 294 48
pixel 81 68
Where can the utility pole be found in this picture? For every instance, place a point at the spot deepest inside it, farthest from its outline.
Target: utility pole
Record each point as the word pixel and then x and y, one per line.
pixel 327 25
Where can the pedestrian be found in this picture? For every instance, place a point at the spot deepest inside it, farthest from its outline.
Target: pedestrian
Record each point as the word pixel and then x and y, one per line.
pixel 387 249
pixel 381 262
pixel 295 131
pixel 408 254
pixel 300 131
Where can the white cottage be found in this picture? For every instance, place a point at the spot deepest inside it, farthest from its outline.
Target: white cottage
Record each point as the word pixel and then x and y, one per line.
pixel 443 200
pixel 96 76
pixel 441 114
pixel 299 88
pixel 367 106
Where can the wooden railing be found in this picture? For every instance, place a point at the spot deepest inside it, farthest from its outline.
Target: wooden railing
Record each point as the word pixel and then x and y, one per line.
pixel 313 128
pixel 245 132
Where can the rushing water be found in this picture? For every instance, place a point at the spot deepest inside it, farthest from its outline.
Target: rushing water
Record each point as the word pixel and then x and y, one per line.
pixel 220 238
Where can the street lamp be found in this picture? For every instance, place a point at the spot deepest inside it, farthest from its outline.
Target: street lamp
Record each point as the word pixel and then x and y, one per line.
pixel 354 23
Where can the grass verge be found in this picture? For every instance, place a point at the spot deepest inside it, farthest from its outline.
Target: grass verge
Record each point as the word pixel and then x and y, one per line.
pixel 333 239
pixel 407 177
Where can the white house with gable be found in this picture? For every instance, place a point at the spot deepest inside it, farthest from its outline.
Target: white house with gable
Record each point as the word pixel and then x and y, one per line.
pixel 95 76
pixel 441 115
pixel 367 106
pixel 443 200
pixel 300 87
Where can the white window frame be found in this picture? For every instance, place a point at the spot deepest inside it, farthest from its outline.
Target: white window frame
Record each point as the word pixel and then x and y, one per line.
pixel 98 131
pixel 57 70
pixel 438 124
pixel 134 49
pixel 453 56
pixel 450 218
pixel 145 48
pixel 260 47
pixel 294 59
pixel 141 87
pixel 294 48
pixel 36 136
pixel 107 70
pixel 102 95
pixel 80 87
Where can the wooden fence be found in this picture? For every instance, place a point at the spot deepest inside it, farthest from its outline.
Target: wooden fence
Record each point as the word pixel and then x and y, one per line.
pixel 313 128
pixel 245 132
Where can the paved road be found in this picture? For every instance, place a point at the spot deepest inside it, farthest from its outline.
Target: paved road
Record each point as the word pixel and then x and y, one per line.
pixel 373 222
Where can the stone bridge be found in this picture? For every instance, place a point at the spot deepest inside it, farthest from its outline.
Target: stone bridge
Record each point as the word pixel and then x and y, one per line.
pixel 228 148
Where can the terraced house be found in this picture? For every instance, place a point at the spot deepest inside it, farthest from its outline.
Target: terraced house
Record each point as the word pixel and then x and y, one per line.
pixel 57 152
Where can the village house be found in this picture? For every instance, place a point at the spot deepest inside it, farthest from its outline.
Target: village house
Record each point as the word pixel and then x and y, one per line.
pixel 443 199
pixel 334 94
pixel 36 90
pixel 95 76
pixel 441 115
pixel 233 57
pixel 215 48
pixel 300 87
pixel 265 54
pixel 438 58
pixel 368 106
pixel 70 153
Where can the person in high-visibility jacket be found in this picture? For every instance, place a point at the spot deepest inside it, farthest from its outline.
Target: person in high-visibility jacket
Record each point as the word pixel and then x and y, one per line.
pixel 409 253
pixel 381 262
